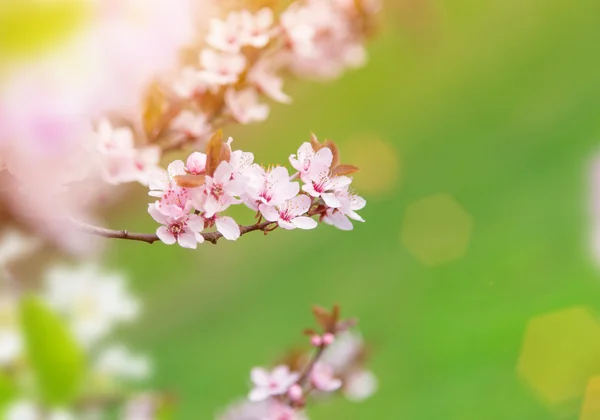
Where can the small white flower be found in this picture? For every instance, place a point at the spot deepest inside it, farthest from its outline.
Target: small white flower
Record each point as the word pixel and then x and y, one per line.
pixel 276 382
pixel 117 361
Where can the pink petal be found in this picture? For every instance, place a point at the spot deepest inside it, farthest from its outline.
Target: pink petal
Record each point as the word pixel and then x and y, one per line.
pixel 304 222
pixel 259 394
pixel 228 227
pixel 187 239
pixel 195 223
pixel 196 163
pixel 157 214
pixel 165 236
pixel 286 190
pixel 223 173
pixel 331 200
pixel 260 376
pixel 308 188
pixel 338 182
pixel 299 205
pixel 269 212
pixel 286 225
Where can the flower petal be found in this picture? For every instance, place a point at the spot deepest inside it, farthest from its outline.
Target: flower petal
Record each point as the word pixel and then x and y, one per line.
pixel 269 212
pixel 187 239
pixel 304 222
pixel 331 200
pixel 165 236
pixel 228 227
pixel 260 376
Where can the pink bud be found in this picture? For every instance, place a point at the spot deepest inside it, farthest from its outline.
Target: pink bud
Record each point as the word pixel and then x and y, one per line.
pixel 295 393
pixel 316 340
pixel 328 339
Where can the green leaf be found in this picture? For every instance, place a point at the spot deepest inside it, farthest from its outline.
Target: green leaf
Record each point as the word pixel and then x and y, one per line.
pixel 7 390
pixel 57 359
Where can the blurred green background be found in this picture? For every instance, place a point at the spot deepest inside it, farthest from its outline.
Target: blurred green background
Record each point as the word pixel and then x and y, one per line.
pixel 474 123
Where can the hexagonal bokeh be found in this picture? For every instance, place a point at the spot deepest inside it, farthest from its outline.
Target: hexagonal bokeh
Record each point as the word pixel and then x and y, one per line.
pixel 590 409
pixel 560 353
pixel 378 162
pixel 436 229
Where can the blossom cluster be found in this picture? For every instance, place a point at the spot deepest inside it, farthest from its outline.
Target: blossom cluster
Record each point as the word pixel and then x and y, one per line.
pixel 337 365
pixel 242 59
pixel 192 196
pixel 90 303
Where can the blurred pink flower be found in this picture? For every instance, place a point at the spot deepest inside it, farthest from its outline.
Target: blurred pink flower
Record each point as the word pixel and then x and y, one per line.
pixel 245 107
pixel 276 382
pixel 221 68
pixel 322 378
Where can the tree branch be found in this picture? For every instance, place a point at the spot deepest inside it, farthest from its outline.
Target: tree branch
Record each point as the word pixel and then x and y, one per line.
pixel 150 238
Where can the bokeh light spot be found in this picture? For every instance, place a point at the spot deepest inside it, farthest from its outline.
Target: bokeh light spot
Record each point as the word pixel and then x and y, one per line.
pixel 436 229
pixel 560 353
pixel 590 410
pixel 378 162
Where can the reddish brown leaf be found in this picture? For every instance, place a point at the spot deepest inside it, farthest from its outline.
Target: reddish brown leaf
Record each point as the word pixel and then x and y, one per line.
pixel 314 142
pixel 322 316
pixel 225 154
pixel 213 152
pixel 189 181
pixel 344 170
pixel 335 151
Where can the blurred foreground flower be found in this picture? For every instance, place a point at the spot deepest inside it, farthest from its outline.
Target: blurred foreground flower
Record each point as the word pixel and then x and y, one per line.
pixel 337 363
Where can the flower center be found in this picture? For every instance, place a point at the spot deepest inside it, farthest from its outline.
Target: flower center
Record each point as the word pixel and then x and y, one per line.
pixel 217 191
pixel 176 228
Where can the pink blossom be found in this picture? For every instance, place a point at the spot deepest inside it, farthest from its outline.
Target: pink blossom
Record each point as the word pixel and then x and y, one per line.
pixel 175 201
pixel 240 29
pixel 190 83
pixel 244 106
pixel 184 229
pixel 123 162
pixel 221 68
pixel 289 214
pixel 271 187
pixel 258 27
pixel 226 226
pixel 360 385
pixel 319 183
pixel 268 82
pixel 269 409
pixel 349 203
pixel 322 378
pixel 227 35
pixel 239 160
pixel 335 218
pixel 191 125
pixel 303 159
pixel 219 192
pixel 196 163
pixel 267 384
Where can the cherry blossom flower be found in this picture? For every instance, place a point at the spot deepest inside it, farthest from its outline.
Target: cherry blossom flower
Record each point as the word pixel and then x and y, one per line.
pixel 270 187
pixel 228 35
pixel 175 201
pixel 360 385
pixel 305 155
pixel 244 106
pixel 184 229
pixel 343 351
pixel 267 82
pixel 123 162
pixel 117 361
pixel 258 26
pixel 269 409
pixel 289 215
pixel 219 192
pixel 337 219
pixel 93 302
pixel 191 125
pixel 267 384
pixel 190 83
pixel 322 378
pixel 221 68
pixel 226 226
pixel 319 183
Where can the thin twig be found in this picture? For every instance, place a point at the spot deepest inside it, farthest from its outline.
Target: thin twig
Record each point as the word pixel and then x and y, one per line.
pixel 150 238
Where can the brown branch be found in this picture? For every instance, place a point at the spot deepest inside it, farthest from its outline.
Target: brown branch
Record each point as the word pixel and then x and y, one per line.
pixel 150 238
